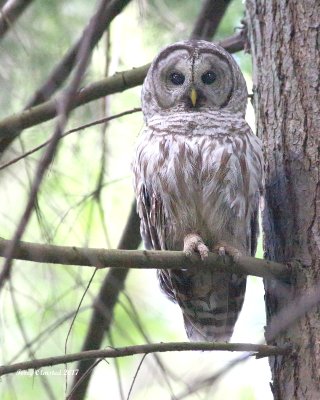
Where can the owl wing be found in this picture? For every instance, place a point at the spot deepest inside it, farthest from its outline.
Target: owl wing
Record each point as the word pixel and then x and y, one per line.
pixel 149 209
pixel 254 222
pixel 152 230
pixel 254 226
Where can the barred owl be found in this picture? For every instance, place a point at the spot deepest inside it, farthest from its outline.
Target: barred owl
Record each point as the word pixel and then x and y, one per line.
pixel 198 176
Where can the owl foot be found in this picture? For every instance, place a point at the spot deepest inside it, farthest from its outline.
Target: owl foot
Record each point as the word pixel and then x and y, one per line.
pixel 193 243
pixel 223 248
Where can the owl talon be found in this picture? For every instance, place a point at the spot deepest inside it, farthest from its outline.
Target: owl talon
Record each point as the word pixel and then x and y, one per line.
pixel 223 248
pixel 192 244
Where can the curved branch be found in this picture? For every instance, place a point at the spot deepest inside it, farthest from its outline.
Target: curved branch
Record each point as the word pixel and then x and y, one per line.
pixel 259 350
pixel 102 258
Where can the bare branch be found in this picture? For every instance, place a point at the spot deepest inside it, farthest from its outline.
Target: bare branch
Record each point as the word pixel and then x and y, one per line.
pixel 107 298
pixel 63 69
pixel 102 258
pixel 64 107
pixel 77 129
pixel 48 110
pixel 136 374
pixel 209 19
pixel 260 350
pixel 114 84
pixel 10 13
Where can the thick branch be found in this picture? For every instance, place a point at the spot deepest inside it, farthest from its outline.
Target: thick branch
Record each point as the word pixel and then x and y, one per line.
pixel 233 43
pixel 102 258
pixel 209 19
pixel 259 350
pixel 10 12
pixel 114 84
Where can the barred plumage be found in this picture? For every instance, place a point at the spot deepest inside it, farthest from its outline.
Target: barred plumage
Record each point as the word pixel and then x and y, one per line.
pixel 198 174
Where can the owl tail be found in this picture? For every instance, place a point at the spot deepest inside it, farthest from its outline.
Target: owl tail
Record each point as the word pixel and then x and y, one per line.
pixel 206 333
pixel 210 302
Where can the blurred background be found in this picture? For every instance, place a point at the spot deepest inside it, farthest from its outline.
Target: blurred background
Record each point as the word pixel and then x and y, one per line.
pixel 85 200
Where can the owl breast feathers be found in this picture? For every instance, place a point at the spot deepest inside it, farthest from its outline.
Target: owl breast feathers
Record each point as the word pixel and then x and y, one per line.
pixel 198 175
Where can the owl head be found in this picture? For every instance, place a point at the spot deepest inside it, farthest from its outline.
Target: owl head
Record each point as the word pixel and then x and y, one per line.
pixel 193 75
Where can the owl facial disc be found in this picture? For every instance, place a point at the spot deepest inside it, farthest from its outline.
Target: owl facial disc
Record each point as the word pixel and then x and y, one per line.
pixel 193 76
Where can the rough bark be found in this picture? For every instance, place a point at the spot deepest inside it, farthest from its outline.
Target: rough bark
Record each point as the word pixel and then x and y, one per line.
pixel 285 38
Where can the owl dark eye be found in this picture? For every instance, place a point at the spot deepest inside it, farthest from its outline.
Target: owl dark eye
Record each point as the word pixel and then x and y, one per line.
pixel 177 78
pixel 208 77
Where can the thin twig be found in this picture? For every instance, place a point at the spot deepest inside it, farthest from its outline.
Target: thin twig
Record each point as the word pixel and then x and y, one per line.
pixel 75 316
pixel 256 349
pixel 84 376
pixel 107 298
pixel 31 353
pixel 136 374
pixel 77 129
pixel 48 331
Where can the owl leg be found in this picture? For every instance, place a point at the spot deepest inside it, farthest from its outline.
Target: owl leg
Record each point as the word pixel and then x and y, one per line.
pixel 223 248
pixel 193 243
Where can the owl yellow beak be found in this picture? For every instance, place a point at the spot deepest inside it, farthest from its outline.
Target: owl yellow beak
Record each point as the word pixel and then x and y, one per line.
pixel 193 96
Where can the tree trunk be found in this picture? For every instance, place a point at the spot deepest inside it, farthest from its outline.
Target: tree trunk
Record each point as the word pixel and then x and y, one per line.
pixel 284 38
